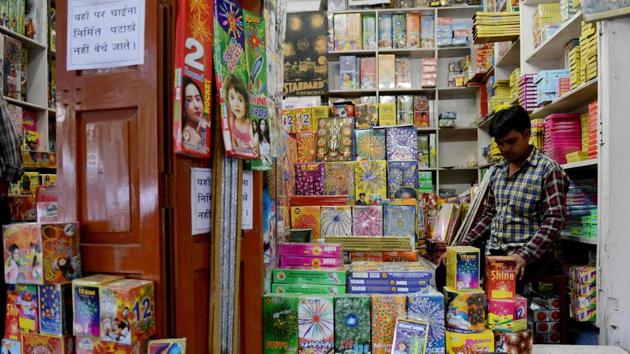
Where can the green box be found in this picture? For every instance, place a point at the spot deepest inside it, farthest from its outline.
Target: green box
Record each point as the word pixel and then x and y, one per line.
pixel 309 276
pixel 308 289
pixel 353 324
pixel 280 324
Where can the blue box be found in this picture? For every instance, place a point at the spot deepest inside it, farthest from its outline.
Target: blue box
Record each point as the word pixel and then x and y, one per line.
pixel 55 309
pixel 428 305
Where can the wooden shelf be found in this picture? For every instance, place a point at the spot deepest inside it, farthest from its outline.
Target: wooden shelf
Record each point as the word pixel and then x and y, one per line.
pixel 580 164
pixel 553 47
pixel 512 57
pixel 27 42
pixel 570 101
pixel 568 237
pixel 27 105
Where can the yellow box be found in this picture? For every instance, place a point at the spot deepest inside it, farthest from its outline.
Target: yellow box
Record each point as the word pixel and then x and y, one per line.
pixel 288 120
pixel 304 120
pixel 387 114
pixel 318 113
pixel 462 267
pixel 457 343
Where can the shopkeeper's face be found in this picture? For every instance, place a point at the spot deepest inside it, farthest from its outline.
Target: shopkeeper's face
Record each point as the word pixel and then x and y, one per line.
pixel 194 104
pixel 237 103
pixel 515 145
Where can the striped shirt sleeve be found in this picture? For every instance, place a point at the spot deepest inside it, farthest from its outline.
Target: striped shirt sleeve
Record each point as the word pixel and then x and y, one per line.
pixel 11 156
pixel 482 228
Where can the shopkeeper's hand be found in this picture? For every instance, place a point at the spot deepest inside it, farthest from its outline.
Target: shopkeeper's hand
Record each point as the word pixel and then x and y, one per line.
pixel 520 264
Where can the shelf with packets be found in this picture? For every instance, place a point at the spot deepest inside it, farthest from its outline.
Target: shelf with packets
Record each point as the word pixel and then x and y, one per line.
pixel 445 9
pixel 537 2
pixel 570 101
pixel 590 164
pixel 512 57
pixel 357 52
pixel 409 52
pixel 26 41
pixel 569 237
pixel 553 47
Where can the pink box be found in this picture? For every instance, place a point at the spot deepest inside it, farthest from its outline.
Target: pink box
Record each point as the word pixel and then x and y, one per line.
pixel 328 250
pixel 507 315
pixel 310 262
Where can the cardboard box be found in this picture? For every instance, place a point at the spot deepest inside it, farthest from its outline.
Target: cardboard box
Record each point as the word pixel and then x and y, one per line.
pixel 507 315
pixel 91 345
pixel 541 313
pixel 27 261
pixel 353 324
pixel 310 262
pixel 160 346
pixel 428 305
pixel 481 342
pixel 517 343
pixel 500 278
pixel 309 276
pixel 33 343
pixel 280 323
pixel 465 309
pixel 28 307
pixel 462 267
pixel 316 311
pixel 86 302
pixel 55 309
pixel 330 250
pixel 308 289
pixel 127 311
pixel 386 309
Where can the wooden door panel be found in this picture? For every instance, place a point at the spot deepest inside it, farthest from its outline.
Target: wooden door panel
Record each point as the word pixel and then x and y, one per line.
pixel 109 125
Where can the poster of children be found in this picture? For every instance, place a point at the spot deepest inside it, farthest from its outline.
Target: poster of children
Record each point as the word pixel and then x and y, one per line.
pixel 193 81
pixel 232 81
pixel 23 258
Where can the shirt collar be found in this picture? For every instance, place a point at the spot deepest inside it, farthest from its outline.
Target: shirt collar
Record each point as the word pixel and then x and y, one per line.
pixel 532 160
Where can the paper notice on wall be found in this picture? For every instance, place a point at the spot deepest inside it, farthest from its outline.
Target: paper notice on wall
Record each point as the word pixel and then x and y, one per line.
pixel 247 220
pixel 105 34
pixel 201 200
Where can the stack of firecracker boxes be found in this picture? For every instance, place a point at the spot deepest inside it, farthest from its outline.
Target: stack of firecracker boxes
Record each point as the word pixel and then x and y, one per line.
pixel 583 292
pixel 48 302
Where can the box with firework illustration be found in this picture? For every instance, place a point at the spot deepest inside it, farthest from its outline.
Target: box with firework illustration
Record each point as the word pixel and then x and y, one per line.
pixel 370 144
pixel 370 180
pixel 332 250
pixel 462 267
pixel 55 309
pixel 399 220
pixel 41 253
pixel 308 289
pixel 309 276
pixel 12 319
pixel 304 119
pixel 353 324
pixel 28 307
pixel 411 336
pixel 402 179
pixel 127 311
pixel 428 305
pixel 306 217
pixel 86 304
pixel 33 343
pixel 310 178
pixel 500 278
pixel 306 146
pixel 465 310
pixel 292 262
pixel 402 144
pixel 367 220
pixel 11 346
pixel 280 323
pixel 91 345
pixel 482 342
pixel 507 315
pixel 366 113
pixel 334 139
pixel 316 324
pixel 172 345
pixel 336 221
pixel 517 343
pixel 339 179
pixel 386 309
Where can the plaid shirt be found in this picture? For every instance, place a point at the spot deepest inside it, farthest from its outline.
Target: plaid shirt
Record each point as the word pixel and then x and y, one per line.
pixel 523 213
pixel 10 153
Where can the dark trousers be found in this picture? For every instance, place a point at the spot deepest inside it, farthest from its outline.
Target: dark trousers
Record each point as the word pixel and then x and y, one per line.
pixel 546 265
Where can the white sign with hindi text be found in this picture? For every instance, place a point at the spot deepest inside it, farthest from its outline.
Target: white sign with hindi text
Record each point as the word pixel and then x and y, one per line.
pixel 105 33
pixel 247 220
pixel 201 200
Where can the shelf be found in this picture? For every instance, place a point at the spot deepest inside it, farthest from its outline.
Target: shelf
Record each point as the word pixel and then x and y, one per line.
pixel 23 104
pixel 553 47
pixel 427 129
pixel 352 11
pixel 458 134
pixel 411 52
pixel 512 57
pixel 580 239
pixel 453 52
pixel 471 169
pixel 52 111
pixel 425 169
pixel 406 90
pixel 487 165
pixel 27 42
pixel 537 2
pixel 453 92
pixel 570 101
pixel 580 164
pixel 337 53
pixel 351 92
pixel 485 125
pixel 460 7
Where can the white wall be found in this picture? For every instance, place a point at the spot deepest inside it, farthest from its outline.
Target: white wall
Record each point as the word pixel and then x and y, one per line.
pixel 614 249
pixel 303 5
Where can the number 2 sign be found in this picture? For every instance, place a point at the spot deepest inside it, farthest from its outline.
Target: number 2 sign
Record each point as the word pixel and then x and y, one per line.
pixel 192 96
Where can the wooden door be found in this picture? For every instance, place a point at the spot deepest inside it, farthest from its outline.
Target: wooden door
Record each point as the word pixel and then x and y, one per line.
pixel 110 160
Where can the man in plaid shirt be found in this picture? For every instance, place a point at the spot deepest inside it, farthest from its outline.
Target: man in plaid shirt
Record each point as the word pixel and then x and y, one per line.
pixel 526 205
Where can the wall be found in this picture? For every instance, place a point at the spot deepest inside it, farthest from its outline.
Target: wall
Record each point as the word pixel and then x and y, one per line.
pixel 614 295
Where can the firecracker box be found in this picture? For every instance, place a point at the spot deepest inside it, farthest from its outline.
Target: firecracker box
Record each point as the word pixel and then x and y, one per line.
pixel 462 267
pixel 55 309
pixel 583 274
pixel 328 250
pixel 507 315
pixel 481 342
pixel 428 305
pixel 86 304
pixel 12 319
pixel 316 324
pixel 353 324
pixel 41 253
pixel 33 343
pixel 415 283
pixel 546 327
pixel 304 120
pixel 514 343
pixel 547 338
pixel 280 323
pixel 542 314
pixel 500 278
pixel 127 311
pixel 11 346
pixel 28 307
pixel 550 302
pixel 171 345
pixel 386 309
pixel 309 276
pixel 308 289
pixel 91 345
pixel 310 262
pixel 465 309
